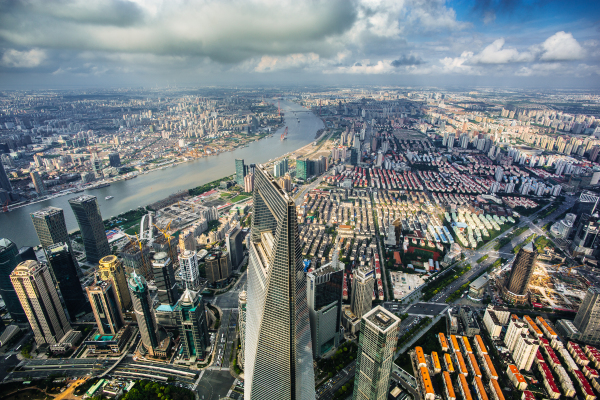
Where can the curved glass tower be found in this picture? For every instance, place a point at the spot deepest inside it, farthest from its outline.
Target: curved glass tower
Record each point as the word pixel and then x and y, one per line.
pixel 9 259
pixel 278 349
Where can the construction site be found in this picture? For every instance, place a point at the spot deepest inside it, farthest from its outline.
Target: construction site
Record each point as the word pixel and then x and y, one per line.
pixel 558 287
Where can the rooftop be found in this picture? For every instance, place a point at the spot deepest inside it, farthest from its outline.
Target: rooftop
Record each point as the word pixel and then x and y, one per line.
pixel 381 318
pixel 47 211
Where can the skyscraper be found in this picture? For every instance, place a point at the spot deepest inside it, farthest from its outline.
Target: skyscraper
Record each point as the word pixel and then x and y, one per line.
pixel 376 347
pixel 240 172
pixel 154 340
pixel 218 268
pixel 188 265
pixel 38 183
pixel 278 354
pixel 325 286
pixel 106 307
pixel 193 328
pixel 39 299
pixel 164 278
pixel 517 284
pixel 4 181
pixel 362 291
pixel 242 328
pixel 136 259
pixel 167 245
pixel 587 320
pixel 9 259
pixel 114 160
pixel 89 219
pixel 63 268
pixel 235 247
pixel 112 269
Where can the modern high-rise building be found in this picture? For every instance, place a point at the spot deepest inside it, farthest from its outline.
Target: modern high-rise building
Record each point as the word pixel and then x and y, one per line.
pixel 60 259
pixel 50 226
pixel 105 306
pixel 278 349
pixel 324 288
pixel 9 259
pixel 376 347
pixel 240 172
pixel 242 328
pixel 587 320
pixel 188 265
pixel 114 160
pixel 40 301
pixel 516 288
pixel 164 278
pixel 235 247
pixel 192 324
pixel 167 245
pixel 38 183
pixel 136 259
pixel 91 226
pixel 362 291
pixel 4 181
pixel 218 268
pixel 112 269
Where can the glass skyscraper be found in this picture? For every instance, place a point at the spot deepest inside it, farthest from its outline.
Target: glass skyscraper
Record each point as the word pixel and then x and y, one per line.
pixel 240 172
pixel 193 328
pixel 278 348
pixel 89 219
pixel 9 259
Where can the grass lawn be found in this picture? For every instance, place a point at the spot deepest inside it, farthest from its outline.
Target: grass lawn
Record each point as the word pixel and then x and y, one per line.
pixel 239 197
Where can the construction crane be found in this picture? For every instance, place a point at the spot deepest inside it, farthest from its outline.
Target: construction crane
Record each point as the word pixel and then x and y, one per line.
pixel 577 266
pixel 168 236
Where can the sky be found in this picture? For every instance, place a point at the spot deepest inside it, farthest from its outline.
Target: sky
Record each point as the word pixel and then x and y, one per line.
pixel 545 44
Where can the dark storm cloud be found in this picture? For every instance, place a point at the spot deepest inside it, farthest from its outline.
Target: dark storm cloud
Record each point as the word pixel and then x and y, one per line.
pixel 405 60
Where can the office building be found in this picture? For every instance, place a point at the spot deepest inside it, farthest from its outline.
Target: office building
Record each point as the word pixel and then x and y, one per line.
pixel 249 183
pixel 60 260
pixel 362 291
pixel 4 181
pixel 324 295
pixel 39 299
pixel 91 226
pixel 105 306
pixel 38 183
pixel 240 172
pixel 302 169
pixel 164 279
pixel 111 269
pixel 188 266
pixel 192 324
pixel 144 314
pixel 218 268
pixel 280 168
pixel 136 258
pixel 168 245
pixel 587 320
pixel 278 355
pixel 376 347
pixel 235 247
pixel 9 259
pixel 516 287
pixel 242 328
pixel 114 160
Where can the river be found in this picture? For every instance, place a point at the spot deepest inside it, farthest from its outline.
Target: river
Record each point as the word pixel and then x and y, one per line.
pixel 148 188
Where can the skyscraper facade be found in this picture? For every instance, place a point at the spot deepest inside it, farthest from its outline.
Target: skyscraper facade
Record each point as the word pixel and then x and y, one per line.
pixel 240 172
pixel 192 324
pixel 40 301
pixel 4 181
pixel 325 286
pixel 376 347
pixel 278 349
pixel 188 265
pixel 89 219
pixel 362 291
pixel 38 183
pixel 218 268
pixel 114 160
pixel 516 288
pixel 235 247
pixel 105 306
pixel 242 327
pixel 136 259
pixel 112 269
pixel 144 313
pixel 164 278
pixel 587 320
pixel 9 259
pixel 60 259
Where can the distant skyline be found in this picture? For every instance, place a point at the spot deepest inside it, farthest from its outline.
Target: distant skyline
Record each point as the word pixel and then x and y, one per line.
pixel 99 43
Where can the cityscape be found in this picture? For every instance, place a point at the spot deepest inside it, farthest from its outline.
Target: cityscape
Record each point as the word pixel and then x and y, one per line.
pixel 323 220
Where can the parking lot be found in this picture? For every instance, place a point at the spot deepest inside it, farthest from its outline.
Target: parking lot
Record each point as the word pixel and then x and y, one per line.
pixel 404 283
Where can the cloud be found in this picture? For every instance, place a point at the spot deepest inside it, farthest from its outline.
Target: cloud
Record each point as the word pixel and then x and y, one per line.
pixel 407 60
pixel 561 46
pixel 23 59
pixel 496 53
